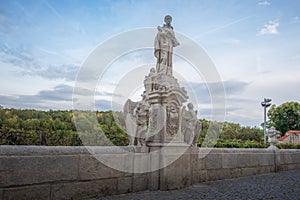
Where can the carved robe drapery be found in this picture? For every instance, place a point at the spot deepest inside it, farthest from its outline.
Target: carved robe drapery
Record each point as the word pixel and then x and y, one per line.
pixel 163 49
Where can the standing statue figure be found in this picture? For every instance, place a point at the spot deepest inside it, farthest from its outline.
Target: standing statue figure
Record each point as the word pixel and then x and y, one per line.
pixel 130 121
pixel 141 115
pixel 190 126
pixel 150 81
pixel 163 47
pixel 136 117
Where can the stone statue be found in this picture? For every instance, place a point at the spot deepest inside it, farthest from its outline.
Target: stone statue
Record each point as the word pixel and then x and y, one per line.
pixel 163 47
pixel 130 121
pixel 190 126
pixel 157 119
pixel 273 134
pixel 141 116
pixel 196 133
pixel 150 81
pixel 136 117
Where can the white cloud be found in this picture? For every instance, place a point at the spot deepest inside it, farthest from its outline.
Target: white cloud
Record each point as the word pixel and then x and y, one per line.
pixel 269 29
pixel 264 3
pixel 28 64
pixel 295 20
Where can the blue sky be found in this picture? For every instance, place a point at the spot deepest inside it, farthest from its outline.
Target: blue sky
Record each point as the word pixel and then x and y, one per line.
pixel 255 46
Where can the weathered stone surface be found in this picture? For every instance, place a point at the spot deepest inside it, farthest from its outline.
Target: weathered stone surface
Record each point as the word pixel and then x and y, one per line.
pixel 24 150
pixel 266 159
pixel 229 160
pixel 41 192
pixel 249 171
pixel 196 167
pixel 83 176
pixel 253 158
pixel 152 163
pixel 92 168
pixel 293 166
pixel 176 175
pixel 266 169
pixel 186 170
pixel 202 176
pixel 125 185
pixel 279 158
pixel 212 161
pixel 247 160
pixel 155 162
pixel 218 174
pixel 27 150
pixel 287 158
pixel 234 173
pixel 21 170
pixel 154 178
pixel 128 164
pixel 141 162
pixel 295 157
pixel 86 189
pixel 282 167
pixel 140 182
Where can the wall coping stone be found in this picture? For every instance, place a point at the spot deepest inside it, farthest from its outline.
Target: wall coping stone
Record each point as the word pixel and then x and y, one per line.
pixel 28 150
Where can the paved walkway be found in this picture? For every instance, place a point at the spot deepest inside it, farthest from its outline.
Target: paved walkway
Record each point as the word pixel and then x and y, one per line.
pixel 276 186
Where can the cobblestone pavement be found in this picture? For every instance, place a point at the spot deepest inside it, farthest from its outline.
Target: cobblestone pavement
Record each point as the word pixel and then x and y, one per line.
pixel 276 186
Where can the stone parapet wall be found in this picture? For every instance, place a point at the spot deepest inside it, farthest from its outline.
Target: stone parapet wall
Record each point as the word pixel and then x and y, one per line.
pixel 40 172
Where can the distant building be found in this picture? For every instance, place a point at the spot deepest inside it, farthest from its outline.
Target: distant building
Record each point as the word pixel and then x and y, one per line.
pixel 292 136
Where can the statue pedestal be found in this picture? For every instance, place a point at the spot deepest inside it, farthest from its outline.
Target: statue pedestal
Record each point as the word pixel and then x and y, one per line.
pixel 165 114
pixel 173 161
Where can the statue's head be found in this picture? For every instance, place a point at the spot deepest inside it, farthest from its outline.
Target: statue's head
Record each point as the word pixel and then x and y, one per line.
pixel 152 70
pixel 190 106
pixel 168 19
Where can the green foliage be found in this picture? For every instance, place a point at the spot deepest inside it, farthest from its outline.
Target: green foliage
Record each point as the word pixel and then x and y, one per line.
pixel 31 127
pixel 228 144
pixel 230 135
pixel 240 144
pixel 288 146
pixel 285 117
pixel 15 137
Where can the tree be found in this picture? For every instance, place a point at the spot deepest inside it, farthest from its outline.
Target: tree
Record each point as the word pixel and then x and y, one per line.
pixel 285 117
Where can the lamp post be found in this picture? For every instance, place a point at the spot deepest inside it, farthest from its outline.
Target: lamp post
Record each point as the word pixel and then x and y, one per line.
pixel 266 103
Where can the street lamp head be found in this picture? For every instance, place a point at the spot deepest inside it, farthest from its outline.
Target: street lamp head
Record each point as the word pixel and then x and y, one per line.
pixel 267 100
pixel 266 103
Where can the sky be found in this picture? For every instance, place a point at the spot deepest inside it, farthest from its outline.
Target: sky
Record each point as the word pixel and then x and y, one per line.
pixel 254 45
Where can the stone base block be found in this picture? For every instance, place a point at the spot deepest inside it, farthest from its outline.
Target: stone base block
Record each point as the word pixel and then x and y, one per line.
pixel 124 185
pixel 86 189
pixel 140 183
pixel 27 192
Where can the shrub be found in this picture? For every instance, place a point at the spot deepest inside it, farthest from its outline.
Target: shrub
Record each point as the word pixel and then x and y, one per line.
pixel 288 146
